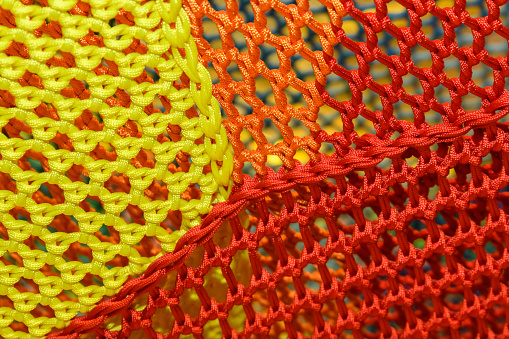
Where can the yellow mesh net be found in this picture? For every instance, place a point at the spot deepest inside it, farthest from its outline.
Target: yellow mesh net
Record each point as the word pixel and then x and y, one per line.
pixel 112 147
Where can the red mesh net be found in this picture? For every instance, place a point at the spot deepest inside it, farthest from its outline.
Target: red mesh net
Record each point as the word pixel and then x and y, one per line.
pixel 398 232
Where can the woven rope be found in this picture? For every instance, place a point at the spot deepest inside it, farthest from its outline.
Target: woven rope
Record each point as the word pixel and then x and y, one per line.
pixel 395 227
pixel 268 60
pixel 400 233
pixel 112 148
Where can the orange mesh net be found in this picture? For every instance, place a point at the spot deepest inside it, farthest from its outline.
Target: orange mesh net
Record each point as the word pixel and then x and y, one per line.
pixel 267 65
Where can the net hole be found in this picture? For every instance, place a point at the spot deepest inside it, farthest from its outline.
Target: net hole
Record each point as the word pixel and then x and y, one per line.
pixel 476 8
pixel 412 85
pixel 421 57
pixel 223 236
pixel 442 94
pixel 482 75
pixel 363 126
pixel 152 73
pixel 388 43
pixel 268 54
pixel 25 136
pixel 417 225
pixel 248 140
pixel 242 106
pixel 264 92
pixel 403 111
pixel 328 149
pixel 359 261
pixel 162 320
pixel 117 261
pixel 496 45
pixel 369 214
pixel 145 158
pixel 35 164
pixel 398 14
pixel 353 29
pixel 295 97
pixel 17 326
pixel 304 322
pixel 432 28
pixel 211 33
pixel 190 302
pixel 118 182
pixel 452 67
pixel 233 71
pixel 433 118
pixel 246 11
pixel 249 170
pixel 371 329
pixel 490 248
pixel 464 37
pixel 471 102
pixel 298 128
pixel 433 191
pixel 108 234
pixel 157 191
pixel 49 193
pixel 419 243
pixel 240 41
pixel 380 72
pixel 412 161
pixel 276 22
pixel 236 318
pixel 469 255
pixel 133 214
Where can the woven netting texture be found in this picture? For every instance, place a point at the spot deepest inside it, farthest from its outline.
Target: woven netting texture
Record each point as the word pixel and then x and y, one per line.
pixel 111 148
pixel 392 223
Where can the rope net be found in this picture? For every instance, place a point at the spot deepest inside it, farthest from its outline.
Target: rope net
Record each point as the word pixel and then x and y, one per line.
pixel 112 148
pixel 370 168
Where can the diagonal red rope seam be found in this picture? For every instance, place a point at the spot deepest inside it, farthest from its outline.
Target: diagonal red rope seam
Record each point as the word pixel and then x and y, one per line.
pixel 257 189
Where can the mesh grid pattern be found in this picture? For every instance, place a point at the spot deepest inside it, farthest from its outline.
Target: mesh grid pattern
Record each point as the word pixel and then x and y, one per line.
pixel 266 80
pixel 398 230
pixel 96 182
pixel 251 142
pixel 395 225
